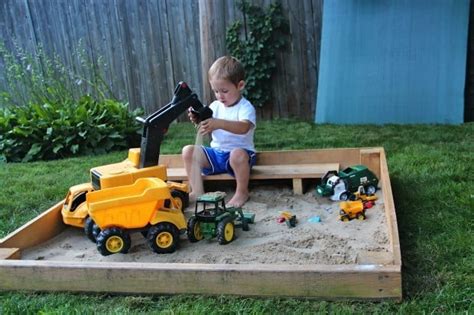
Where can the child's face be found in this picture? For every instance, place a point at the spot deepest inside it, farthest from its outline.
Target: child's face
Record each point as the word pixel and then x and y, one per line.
pixel 225 91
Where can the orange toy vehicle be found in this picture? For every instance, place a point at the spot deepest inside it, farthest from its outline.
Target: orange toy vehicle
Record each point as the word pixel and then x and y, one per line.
pixel 145 206
pixel 354 209
pixel 142 163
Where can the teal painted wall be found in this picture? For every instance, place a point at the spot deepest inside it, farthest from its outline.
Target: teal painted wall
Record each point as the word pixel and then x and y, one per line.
pixel 387 61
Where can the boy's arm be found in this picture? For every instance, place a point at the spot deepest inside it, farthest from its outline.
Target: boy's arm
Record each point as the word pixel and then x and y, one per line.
pixel 237 127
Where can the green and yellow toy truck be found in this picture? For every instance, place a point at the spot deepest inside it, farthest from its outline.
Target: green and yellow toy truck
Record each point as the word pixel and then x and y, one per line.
pixel 340 185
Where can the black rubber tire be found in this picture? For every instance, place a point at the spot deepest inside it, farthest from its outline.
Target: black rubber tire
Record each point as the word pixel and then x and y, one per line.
pixel 225 231
pixel 370 189
pixel 193 234
pixel 245 225
pixel 163 238
pixel 361 216
pixel 344 196
pixel 113 241
pixel 95 231
pixel 183 196
pixel 344 218
pixel 89 229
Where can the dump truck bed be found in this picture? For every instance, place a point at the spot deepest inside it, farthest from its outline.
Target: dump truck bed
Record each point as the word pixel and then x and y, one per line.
pixel 130 206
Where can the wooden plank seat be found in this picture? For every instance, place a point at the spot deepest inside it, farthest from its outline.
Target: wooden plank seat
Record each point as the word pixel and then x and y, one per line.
pixel 295 172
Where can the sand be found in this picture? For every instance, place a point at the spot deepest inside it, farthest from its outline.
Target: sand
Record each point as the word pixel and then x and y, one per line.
pixel 328 242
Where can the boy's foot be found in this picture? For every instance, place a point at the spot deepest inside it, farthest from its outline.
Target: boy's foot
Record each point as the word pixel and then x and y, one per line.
pixel 238 200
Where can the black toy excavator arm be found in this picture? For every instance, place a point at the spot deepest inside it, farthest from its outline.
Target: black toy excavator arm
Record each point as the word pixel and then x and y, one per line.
pixel 156 124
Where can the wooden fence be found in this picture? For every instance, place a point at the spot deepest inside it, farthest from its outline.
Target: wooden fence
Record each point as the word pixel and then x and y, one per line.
pixel 150 45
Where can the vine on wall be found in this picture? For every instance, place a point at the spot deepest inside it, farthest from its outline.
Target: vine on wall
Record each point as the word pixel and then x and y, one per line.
pixel 255 42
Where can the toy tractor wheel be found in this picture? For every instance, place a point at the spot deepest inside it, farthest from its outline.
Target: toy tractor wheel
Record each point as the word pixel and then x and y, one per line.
pixel 194 230
pixel 225 231
pixel 370 189
pixel 361 216
pixel 113 241
pixel 163 238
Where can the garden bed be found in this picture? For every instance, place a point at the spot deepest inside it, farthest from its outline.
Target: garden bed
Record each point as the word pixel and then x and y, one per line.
pixel 327 259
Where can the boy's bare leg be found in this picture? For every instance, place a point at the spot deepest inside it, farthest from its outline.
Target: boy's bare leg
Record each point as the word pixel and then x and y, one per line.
pixel 239 161
pixel 194 160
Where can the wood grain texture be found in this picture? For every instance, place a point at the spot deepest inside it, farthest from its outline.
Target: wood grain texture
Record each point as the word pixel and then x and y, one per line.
pixel 36 231
pixel 10 253
pixel 315 281
pixel 148 46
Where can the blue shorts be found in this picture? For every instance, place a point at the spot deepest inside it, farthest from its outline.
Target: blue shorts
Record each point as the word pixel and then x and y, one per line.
pixel 219 161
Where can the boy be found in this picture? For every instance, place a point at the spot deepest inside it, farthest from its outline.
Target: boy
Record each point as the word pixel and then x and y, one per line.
pixel 232 129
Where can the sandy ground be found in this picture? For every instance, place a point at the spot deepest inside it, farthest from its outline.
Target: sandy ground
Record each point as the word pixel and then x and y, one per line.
pixel 329 241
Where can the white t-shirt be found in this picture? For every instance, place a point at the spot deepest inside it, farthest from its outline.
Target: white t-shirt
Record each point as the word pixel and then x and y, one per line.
pixel 227 141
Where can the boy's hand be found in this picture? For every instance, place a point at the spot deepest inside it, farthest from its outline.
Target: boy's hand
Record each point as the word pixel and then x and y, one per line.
pixel 238 127
pixel 208 125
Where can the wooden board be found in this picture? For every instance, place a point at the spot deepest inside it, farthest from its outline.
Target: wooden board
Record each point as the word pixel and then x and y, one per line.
pixel 289 171
pixel 376 278
pixel 10 253
pixel 322 281
pixel 295 172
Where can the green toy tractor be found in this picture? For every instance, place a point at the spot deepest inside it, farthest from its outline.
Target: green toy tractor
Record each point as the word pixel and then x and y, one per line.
pixel 212 219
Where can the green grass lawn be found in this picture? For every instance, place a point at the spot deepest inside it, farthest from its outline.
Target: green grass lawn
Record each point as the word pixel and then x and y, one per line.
pixel 432 175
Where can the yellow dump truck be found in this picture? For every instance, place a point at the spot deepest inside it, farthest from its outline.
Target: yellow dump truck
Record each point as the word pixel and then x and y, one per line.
pixel 354 209
pixel 145 206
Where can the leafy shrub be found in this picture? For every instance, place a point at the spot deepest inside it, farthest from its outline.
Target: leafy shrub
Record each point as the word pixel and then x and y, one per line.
pixel 51 131
pixel 48 111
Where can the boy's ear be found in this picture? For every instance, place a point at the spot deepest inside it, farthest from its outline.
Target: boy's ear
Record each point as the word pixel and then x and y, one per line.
pixel 241 85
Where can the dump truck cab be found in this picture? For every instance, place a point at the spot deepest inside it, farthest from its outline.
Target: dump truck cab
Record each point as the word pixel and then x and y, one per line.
pixel 74 210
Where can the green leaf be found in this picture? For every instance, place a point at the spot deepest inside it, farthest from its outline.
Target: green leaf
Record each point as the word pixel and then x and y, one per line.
pixel 57 148
pixel 75 148
pixel 34 150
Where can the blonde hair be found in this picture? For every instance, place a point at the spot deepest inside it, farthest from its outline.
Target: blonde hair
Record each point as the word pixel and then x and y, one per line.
pixel 227 68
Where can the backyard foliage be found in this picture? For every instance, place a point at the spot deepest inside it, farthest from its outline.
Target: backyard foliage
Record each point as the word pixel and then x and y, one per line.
pixel 51 112
pixel 256 48
pixel 50 131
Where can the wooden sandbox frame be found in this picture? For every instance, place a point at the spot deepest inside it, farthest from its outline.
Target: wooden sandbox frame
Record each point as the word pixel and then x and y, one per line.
pixel 375 279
